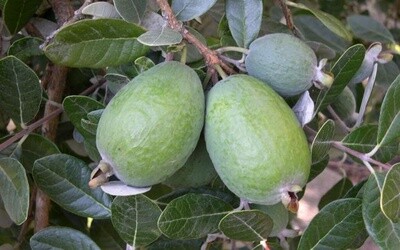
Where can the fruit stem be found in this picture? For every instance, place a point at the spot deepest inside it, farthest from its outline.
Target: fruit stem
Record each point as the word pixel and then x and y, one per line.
pixel 220 71
pixel 100 174
pixel 184 55
pixel 232 48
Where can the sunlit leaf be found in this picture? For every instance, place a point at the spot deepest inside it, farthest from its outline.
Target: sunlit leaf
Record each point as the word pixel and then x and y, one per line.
pixel 390 198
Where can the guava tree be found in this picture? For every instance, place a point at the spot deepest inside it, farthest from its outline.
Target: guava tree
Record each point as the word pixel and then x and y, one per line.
pixel 183 124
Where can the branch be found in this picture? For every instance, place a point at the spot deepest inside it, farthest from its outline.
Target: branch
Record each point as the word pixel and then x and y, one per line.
pixel 288 17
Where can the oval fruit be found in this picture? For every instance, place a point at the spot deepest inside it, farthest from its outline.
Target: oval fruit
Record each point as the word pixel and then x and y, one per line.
pixel 150 128
pixel 284 62
pixel 255 141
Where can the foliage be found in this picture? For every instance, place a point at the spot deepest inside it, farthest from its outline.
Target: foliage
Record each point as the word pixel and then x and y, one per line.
pixel 72 57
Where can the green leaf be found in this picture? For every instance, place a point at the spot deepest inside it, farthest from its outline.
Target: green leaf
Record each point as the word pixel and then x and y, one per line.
pixel 61 238
pixel 328 20
pixel 25 48
pixel 101 10
pixel 65 180
pixel 144 63
pixel 96 44
pixel 322 141
pixel 105 235
pixel 14 189
pixel 390 198
pixel 193 53
pixel 343 70
pixel 77 108
pixel 338 225
pixel 131 10
pixel 248 225
pixel 93 118
pixel 383 231
pixel 389 119
pixel 160 37
pixel 186 10
pixel 21 93
pixel 192 216
pixel 318 167
pixel 135 219
pixel 163 243
pixel 16 13
pixel 34 147
pixel 368 29
pixel 339 190
pixel 279 215
pixel 244 19
pixel 387 73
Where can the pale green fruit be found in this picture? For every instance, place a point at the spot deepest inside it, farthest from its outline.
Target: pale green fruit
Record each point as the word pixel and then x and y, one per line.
pixel 285 63
pixel 255 141
pixel 197 171
pixel 150 128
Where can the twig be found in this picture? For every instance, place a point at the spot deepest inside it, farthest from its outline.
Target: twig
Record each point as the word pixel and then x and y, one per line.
pixel 338 119
pixel 288 17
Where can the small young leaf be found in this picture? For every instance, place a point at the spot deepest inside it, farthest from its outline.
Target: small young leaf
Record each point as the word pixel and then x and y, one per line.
pixel 101 10
pixel 61 238
pixel 160 37
pixel 25 48
pixel 131 10
pixel 96 43
pixel 105 235
pixel 368 29
pixel 390 198
pixel 192 216
pixel 248 225
pixel 64 179
pixel 135 219
pixel 321 143
pixel 244 19
pixel 338 225
pixel 186 10
pixel 389 119
pixel 21 93
pixel 279 215
pixel 336 192
pixel 384 232
pixel 16 13
pixel 14 189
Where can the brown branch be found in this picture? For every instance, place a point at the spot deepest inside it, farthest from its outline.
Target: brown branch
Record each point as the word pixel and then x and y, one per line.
pixel 288 16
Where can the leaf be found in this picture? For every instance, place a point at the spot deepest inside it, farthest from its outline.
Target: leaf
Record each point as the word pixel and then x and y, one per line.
pixel 343 70
pixel 186 10
pixel 163 243
pixel 339 190
pixel 16 13
pixel 96 44
pixel 387 73
pixel 318 167
pixel 322 141
pixel 248 225
pixel 328 20
pixel 389 118
pixel 105 235
pixel 14 189
pixel 339 225
pixel 64 179
pixel 131 10
pixel 144 63
pixel 25 48
pixel 244 19
pixel 160 37
pixel 192 216
pixel 368 29
pixel 34 147
pixel 118 188
pixel 100 10
pixel 384 232
pixel 390 198
pixel 279 215
pixel 135 219
pixel 20 94
pixel 61 238
pixel 93 118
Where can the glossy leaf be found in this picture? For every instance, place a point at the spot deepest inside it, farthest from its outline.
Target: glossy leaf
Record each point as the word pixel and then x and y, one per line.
pixel 106 237
pixel 192 216
pixel 96 44
pixel 135 219
pixel 247 225
pixel 186 10
pixel 328 20
pixel 368 29
pixel 21 93
pixel 25 48
pixel 16 13
pixel 131 10
pixel 64 179
pixel 61 238
pixel 322 141
pixel 244 19
pixel 101 10
pixel 339 190
pixel 343 70
pixel 14 189
pixel 390 198
pixel 384 232
pixel 160 37
pixel 338 225
pixel 389 119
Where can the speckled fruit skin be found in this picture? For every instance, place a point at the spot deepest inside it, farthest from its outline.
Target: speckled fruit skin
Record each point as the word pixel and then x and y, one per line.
pixel 282 61
pixel 152 125
pixel 254 140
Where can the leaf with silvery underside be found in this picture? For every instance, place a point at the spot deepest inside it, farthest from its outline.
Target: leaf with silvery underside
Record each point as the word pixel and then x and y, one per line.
pixel 16 13
pixel 131 10
pixel 322 141
pixel 368 29
pixel 100 10
pixel 160 37
pixel 186 10
pixel 343 70
pixel 390 198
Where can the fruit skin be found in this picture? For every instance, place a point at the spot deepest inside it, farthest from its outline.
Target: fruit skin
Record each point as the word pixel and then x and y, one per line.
pixel 255 141
pixel 150 128
pixel 282 61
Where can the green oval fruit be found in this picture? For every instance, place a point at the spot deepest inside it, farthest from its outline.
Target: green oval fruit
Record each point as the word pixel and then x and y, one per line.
pixel 197 171
pixel 284 62
pixel 255 141
pixel 150 128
